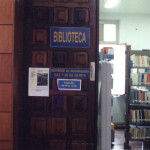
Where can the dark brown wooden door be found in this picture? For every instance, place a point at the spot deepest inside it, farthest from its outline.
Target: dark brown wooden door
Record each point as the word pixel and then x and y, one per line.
pixel 66 120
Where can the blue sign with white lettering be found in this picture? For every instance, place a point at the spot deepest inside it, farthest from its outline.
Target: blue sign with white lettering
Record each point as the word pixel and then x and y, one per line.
pixel 69 84
pixel 66 73
pixel 70 37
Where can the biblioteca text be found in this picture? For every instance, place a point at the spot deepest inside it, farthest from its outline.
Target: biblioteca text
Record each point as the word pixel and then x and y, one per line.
pixel 69 37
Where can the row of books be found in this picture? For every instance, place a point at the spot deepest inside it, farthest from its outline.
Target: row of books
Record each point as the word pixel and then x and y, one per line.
pixel 140 133
pixel 140 61
pixel 108 50
pixel 140 78
pixel 140 115
pixel 140 96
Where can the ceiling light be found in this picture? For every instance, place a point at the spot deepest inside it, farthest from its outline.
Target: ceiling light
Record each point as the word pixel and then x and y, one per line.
pixel 110 3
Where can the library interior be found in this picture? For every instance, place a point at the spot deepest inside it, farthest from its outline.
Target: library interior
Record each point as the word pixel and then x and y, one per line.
pixel 127 51
pixel 74 75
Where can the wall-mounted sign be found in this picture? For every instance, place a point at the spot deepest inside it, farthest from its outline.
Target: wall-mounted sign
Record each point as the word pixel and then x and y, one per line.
pixel 74 73
pixel 70 37
pixel 38 82
pixel 69 84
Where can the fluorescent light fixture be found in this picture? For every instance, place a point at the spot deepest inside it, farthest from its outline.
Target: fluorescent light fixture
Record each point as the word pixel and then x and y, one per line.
pixel 110 3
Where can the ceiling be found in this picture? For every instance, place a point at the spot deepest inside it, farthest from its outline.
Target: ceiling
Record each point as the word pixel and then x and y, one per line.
pixel 128 6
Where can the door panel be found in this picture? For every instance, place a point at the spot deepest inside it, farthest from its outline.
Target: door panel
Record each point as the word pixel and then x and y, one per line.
pixel 61 15
pixel 38 126
pixel 6 11
pixel 41 15
pixel 65 119
pixel 40 36
pixel 41 2
pixel 60 59
pixel 78 145
pixel 79 126
pixel 6 67
pixel 81 16
pixel 59 104
pixel 61 0
pixel 5 97
pixel 80 60
pixel 79 104
pixel 6 145
pixel 58 126
pixel 39 59
pixel 38 104
pixel 6 126
pixel 81 1
pixel 6 38
pixel 57 144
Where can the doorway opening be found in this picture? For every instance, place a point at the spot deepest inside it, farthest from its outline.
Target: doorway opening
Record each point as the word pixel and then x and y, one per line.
pixel 131 29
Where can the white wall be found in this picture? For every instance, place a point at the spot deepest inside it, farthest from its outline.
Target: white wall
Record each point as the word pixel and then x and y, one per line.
pixel 134 29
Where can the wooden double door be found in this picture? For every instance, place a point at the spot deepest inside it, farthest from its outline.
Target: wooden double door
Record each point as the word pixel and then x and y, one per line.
pixel 65 120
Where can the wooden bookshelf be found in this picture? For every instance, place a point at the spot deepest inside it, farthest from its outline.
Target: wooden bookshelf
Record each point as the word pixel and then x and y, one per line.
pixel 140 107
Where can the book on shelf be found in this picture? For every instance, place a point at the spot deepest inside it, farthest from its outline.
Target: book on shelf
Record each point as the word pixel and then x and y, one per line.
pixel 140 133
pixel 140 116
pixel 140 78
pixel 140 61
pixel 140 96
pixel 148 79
pixel 108 50
pixel 135 78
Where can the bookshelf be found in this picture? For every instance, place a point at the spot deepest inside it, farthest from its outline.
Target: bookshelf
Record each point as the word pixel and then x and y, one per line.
pixel 137 98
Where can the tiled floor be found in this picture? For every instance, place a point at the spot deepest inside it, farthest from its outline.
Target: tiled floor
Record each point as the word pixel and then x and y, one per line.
pixel 119 142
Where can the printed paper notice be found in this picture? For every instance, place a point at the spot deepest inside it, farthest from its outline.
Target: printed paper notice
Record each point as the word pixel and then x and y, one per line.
pixel 38 82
